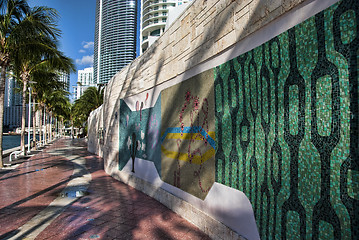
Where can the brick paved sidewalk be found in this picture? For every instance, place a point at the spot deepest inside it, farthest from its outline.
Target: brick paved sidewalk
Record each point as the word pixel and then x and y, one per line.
pixel 111 210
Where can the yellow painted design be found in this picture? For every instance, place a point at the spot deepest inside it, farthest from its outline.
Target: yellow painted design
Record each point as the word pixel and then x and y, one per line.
pixel 197 159
pixel 189 136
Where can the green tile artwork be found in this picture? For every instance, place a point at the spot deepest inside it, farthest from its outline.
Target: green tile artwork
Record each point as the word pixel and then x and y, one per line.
pixel 287 124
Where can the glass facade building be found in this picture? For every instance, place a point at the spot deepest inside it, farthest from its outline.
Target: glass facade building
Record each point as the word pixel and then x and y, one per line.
pixel 115 37
pixel 84 80
pixel 65 78
pixel 154 18
pixel 153 22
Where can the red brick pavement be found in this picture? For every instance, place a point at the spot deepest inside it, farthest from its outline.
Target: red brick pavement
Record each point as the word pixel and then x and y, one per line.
pixel 114 210
pixel 31 187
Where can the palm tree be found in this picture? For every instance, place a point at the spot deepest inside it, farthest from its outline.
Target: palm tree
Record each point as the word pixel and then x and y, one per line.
pixel 44 57
pixel 19 26
pixel 59 104
pixel 47 85
pixel 91 99
pixel 40 52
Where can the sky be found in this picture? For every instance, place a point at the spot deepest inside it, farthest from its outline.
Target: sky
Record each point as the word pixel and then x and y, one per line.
pixel 77 23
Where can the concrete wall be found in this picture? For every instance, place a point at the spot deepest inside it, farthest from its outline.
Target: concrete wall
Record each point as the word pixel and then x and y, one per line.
pixel 241 123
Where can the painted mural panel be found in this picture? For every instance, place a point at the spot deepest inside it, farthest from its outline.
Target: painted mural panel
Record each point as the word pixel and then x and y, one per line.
pixel 188 135
pixel 140 133
pixel 287 124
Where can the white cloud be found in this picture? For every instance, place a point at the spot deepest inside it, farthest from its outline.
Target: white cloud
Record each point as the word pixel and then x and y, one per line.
pixel 87 45
pixel 85 60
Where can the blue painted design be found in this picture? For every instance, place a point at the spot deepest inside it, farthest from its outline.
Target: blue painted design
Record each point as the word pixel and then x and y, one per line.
pixel 194 129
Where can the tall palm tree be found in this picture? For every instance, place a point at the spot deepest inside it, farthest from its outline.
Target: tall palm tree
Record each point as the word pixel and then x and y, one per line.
pixel 46 56
pixel 18 25
pixel 91 99
pixel 41 51
pixel 59 104
pixel 47 85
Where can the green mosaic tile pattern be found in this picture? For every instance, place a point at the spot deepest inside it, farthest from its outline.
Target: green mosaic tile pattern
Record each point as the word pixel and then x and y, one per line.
pixel 287 124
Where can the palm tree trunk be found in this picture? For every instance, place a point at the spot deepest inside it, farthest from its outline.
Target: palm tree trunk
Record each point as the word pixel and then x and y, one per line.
pixel 45 128
pixel 40 125
pixel 72 129
pixel 34 122
pixel 2 95
pixel 50 127
pixel 23 117
pixel 61 126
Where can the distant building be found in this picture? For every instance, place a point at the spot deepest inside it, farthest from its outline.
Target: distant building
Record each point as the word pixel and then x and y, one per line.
pixel 155 15
pixel 12 104
pixel 174 13
pixel 84 80
pixel 65 78
pixel 12 98
pixel 115 37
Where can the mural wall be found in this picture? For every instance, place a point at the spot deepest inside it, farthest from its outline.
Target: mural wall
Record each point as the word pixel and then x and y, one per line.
pixel 278 123
pixel 140 133
pixel 188 137
pixel 287 128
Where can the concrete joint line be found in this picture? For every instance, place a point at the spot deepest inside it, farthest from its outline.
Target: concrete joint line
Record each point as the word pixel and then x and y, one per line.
pixel 38 223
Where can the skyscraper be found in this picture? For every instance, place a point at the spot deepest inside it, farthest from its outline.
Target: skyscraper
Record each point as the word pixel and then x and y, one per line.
pixel 155 15
pixel 12 104
pixel 84 80
pixel 115 37
pixel 65 78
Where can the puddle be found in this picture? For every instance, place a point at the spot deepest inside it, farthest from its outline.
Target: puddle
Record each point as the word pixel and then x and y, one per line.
pixel 73 194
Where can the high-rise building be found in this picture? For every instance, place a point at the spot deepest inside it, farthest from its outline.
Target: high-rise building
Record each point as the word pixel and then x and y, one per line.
pixel 154 17
pixel 11 98
pixel 65 78
pixel 115 37
pixel 84 80
pixel 12 104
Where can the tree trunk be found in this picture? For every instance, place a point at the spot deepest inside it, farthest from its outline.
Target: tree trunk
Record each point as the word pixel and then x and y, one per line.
pixel 2 95
pixel 23 117
pixel 40 125
pixel 34 122
pixel 72 129
pixel 61 127
pixel 50 127
pixel 45 128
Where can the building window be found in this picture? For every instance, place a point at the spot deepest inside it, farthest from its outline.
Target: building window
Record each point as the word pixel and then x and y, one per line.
pixel 155 8
pixel 156 32
pixel 164 19
pixel 156 14
pixel 164 6
pixel 155 21
pixel 164 13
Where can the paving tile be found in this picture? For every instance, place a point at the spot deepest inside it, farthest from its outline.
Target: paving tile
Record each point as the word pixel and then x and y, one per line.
pixel 29 189
pixel 112 210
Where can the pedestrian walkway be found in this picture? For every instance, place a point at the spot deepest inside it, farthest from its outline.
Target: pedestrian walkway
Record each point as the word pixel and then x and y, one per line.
pixel 64 193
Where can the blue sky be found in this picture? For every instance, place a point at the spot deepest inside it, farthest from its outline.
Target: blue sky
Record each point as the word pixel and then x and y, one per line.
pixel 77 23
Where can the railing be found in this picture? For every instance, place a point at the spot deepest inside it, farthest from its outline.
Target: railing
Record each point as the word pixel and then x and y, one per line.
pixel 15 154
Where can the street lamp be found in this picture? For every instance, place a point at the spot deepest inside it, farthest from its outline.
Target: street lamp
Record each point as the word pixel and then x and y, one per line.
pixel 29 120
